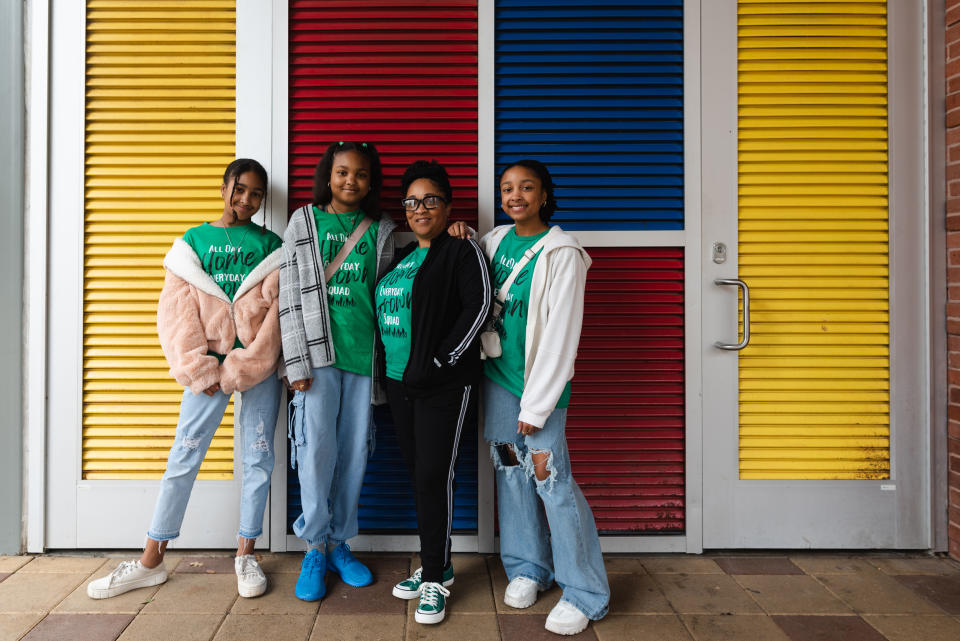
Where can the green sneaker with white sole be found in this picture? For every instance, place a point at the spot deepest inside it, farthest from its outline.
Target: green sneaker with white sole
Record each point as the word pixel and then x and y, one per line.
pixel 409 588
pixel 433 603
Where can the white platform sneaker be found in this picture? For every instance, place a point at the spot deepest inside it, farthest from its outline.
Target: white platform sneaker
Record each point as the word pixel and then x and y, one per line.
pixel 251 581
pixel 565 618
pixel 129 575
pixel 521 593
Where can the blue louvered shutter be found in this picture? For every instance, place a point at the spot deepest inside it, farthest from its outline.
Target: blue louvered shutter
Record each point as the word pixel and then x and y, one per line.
pixel 386 501
pixel 595 91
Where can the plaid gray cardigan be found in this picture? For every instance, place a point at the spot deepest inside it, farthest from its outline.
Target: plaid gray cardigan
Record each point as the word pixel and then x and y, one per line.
pixel 304 314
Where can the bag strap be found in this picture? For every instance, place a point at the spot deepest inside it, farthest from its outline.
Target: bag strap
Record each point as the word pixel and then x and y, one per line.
pixel 348 246
pixel 528 255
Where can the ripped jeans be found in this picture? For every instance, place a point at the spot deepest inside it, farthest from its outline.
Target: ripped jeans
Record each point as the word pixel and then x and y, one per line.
pixel 547 531
pixel 200 415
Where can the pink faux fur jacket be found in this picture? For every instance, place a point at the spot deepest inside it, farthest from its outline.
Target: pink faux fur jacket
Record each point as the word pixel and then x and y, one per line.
pixel 195 316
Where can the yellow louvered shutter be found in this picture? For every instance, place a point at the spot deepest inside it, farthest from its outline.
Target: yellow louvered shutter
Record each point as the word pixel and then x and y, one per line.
pixel 160 114
pixel 814 382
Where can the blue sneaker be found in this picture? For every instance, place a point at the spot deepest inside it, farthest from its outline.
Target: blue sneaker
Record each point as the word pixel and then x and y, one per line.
pixel 342 561
pixel 310 585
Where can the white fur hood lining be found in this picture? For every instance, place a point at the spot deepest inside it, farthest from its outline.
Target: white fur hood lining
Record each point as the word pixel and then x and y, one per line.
pixel 184 262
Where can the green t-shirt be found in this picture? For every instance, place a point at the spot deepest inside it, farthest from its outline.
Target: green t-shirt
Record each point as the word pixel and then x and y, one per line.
pixel 394 294
pixel 350 291
pixel 229 265
pixel 507 370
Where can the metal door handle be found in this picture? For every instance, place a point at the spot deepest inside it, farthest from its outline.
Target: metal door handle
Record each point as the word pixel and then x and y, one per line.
pixel 746 313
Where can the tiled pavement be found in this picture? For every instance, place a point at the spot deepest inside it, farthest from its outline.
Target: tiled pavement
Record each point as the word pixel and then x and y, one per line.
pixel 748 597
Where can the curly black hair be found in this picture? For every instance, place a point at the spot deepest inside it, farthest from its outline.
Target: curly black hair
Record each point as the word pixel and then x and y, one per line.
pixel 433 171
pixel 322 195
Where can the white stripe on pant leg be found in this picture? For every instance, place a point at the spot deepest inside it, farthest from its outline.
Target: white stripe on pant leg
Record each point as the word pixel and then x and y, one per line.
pixel 456 444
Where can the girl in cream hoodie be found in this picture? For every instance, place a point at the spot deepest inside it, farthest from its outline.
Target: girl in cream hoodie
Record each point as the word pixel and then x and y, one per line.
pixel 220 332
pixel 525 396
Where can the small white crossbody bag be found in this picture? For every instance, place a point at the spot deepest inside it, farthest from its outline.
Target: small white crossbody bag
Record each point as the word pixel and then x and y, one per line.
pixel 490 337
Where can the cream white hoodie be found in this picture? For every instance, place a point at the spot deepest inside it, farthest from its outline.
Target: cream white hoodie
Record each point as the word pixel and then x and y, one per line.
pixel 554 319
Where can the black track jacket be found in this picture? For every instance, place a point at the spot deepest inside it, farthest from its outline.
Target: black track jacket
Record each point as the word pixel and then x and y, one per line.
pixel 450 304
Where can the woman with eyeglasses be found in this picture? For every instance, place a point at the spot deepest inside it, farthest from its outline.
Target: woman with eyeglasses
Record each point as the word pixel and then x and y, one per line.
pixel 430 308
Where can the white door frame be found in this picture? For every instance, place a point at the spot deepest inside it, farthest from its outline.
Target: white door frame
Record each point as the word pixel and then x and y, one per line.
pixel 262 77
pixel 892 513
pixel 69 498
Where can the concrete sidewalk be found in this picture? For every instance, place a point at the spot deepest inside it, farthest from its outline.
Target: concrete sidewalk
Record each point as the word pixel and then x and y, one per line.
pixel 749 597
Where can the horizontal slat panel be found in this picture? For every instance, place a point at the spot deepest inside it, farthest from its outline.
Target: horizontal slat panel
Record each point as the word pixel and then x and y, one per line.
pixel 402 76
pixel 813 239
pixel 625 425
pixel 595 91
pixel 381 84
pixel 159 131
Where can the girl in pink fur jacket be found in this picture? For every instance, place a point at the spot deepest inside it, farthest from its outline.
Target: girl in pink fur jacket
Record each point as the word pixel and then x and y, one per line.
pixel 220 331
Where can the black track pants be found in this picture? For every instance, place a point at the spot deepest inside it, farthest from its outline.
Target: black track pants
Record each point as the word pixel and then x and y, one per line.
pixel 429 430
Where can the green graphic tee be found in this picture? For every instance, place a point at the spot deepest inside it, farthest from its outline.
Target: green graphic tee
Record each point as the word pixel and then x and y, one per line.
pixel 228 264
pixel 394 294
pixel 350 291
pixel 507 370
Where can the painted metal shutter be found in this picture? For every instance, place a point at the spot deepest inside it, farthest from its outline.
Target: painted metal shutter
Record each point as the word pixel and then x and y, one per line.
pixel 814 382
pixel 595 91
pixel 386 502
pixel 625 425
pixel 391 72
pixel 362 71
pixel 159 133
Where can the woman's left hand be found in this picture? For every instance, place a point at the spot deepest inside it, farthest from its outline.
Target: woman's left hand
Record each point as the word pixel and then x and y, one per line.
pixel 526 428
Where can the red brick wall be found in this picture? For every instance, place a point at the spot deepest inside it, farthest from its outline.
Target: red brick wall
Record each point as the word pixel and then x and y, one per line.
pixel 952 42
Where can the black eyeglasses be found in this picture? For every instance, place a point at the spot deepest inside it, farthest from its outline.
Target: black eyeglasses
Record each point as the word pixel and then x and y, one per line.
pixel 429 202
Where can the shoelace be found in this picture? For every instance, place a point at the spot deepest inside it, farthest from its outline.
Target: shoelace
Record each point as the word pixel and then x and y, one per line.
pixel 416 576
pixel 311 563
pixel 249 568
pixel 430 593
pixel 343 554
pixel 125 568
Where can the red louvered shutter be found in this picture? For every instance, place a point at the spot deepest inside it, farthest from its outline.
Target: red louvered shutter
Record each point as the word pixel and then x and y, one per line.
pixel 625 425
pixel 398 74
pixel 402 76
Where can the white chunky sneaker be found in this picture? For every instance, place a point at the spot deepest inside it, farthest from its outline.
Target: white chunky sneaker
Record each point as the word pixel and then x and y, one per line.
pixel 129 575
pixel 565 618
pixel 521 593
pixel 251 581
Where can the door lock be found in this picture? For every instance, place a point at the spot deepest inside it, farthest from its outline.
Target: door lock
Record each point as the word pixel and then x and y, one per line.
pixel 719 253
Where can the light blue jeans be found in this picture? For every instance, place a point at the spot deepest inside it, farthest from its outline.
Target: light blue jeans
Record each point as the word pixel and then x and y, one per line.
pixel 200 415
pixel 331 433
pixel 552 537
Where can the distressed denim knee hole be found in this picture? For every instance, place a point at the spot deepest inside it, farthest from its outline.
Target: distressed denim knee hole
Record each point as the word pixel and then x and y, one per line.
pixel 260 445
pixel 504 456
pixel 539 464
